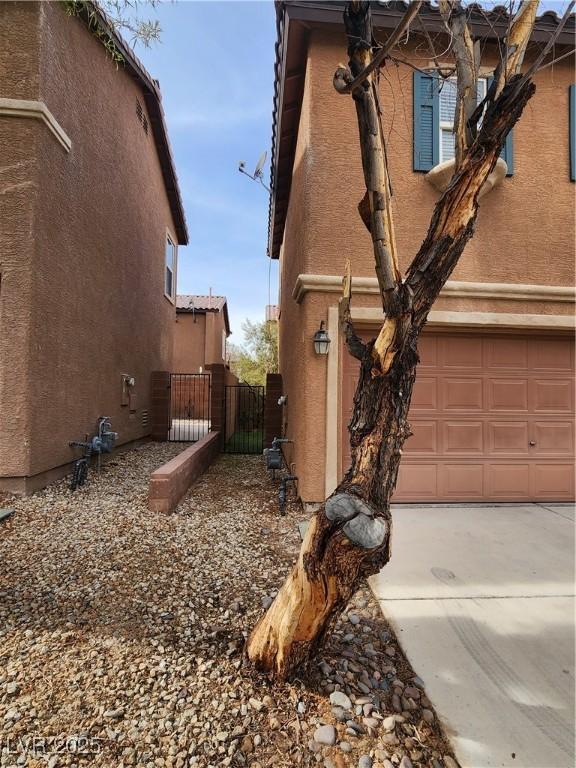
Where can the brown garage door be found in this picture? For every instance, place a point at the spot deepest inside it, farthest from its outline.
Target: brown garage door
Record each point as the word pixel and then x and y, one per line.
pixel 492 416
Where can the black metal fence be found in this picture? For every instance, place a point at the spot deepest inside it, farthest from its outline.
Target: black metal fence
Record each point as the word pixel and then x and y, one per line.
pixel 189 406
pixel 244 423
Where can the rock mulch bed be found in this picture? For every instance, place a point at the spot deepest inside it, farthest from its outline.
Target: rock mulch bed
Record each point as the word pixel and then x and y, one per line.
pixel 121 636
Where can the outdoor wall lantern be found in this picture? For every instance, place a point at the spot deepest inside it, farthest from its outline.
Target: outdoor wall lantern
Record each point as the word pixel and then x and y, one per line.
pixel 321 340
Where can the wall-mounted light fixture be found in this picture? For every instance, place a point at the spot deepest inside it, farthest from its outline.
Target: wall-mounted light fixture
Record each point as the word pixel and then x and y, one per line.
pixel 321 340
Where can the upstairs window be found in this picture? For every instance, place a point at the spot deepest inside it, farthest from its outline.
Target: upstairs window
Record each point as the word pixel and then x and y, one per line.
pixel 170 269
pixel 447 105
pixel 434 107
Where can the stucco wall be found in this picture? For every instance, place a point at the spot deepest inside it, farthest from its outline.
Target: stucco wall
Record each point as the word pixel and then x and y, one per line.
pixel 19 179
pixel 189 343
pixel 524 233
pixel 197 341
pixel 539 192
pixel 294 346
pixel 214 328
pixel 96 303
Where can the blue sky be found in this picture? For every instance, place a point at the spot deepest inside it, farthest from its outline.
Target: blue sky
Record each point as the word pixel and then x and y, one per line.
pixel 214 122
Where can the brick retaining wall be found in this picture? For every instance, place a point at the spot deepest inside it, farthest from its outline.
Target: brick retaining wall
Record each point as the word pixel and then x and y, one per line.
pixel 170 482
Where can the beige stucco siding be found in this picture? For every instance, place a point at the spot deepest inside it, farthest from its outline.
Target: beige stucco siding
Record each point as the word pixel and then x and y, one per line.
pixel 189 342
pixel 198 341
pixel 301 372
pixel 19 180
pixel 539 193
pixel 214 328
pixel 93 290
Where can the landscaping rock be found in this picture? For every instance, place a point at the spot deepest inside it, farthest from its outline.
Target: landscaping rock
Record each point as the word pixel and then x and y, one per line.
pixel 326 734
pixel 129 627
pixel 340 699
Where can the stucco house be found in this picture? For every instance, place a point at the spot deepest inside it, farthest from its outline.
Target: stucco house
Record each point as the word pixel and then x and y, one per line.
pixel 202 328
pixel 90 222
pixel 493 407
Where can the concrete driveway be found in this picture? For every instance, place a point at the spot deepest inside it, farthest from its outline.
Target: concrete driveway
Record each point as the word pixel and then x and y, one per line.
pixel 482 599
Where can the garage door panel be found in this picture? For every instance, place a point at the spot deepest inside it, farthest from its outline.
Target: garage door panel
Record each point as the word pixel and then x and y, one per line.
pixel 554 355
pixel 508 482
pixel 554 437
pixel 507 437
pixel 461 394
pixel 461 352
pixel 464 437
pixel 479 402
pixel 552 395
pixel 417 482
pixel 510 394
pixel 462 481
pixel 424 438
pixel 505 352
pixel 428 351
pixel 553 481
pixel 425 394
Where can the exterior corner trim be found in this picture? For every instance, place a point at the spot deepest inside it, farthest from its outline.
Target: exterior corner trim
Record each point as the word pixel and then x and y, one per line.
pixel 332 403
pixel 36 110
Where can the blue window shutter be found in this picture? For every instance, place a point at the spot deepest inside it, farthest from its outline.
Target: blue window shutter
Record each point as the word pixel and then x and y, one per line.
pixel 507 153
pixel 426 121
pixel 572 128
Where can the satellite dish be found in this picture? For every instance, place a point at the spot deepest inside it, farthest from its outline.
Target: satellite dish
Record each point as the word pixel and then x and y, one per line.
pixel 260 164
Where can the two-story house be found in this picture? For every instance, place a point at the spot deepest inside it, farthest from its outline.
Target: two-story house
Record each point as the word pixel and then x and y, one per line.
pixel 90 221
pixel 493 407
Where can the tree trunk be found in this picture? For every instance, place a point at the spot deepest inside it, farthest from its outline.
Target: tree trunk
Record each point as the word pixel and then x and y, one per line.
pixel 349 537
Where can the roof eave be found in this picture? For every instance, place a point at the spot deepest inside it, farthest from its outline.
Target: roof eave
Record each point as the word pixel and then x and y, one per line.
pixel 153 100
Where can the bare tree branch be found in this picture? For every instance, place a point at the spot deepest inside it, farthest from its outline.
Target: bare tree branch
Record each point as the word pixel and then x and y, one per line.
pixel 467 56
pixel 557 59
pixel 375 209
pixel 355 345
pixel 536 65
pixel 520 29
pixel 391 41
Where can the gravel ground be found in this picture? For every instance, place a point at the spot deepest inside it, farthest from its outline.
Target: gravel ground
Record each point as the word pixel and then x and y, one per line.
pixel 121 636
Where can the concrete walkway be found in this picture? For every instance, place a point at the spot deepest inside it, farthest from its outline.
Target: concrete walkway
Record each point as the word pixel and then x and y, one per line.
pixel 482 599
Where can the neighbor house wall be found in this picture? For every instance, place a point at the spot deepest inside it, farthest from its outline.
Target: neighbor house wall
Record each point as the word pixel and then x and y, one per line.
pixel 198 340
pixel 215 326
pixel 524 232
pixel 189 342
pixel 96 300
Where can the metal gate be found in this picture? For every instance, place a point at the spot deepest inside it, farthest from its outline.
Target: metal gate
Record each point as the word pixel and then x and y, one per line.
pixel 189 406
pixel 244 423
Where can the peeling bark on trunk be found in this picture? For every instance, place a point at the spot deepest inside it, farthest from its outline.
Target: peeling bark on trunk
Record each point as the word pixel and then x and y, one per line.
pixel 349 537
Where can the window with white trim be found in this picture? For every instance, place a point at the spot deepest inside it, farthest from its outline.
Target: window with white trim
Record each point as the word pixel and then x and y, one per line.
pixel 170 268
pixel 447 111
